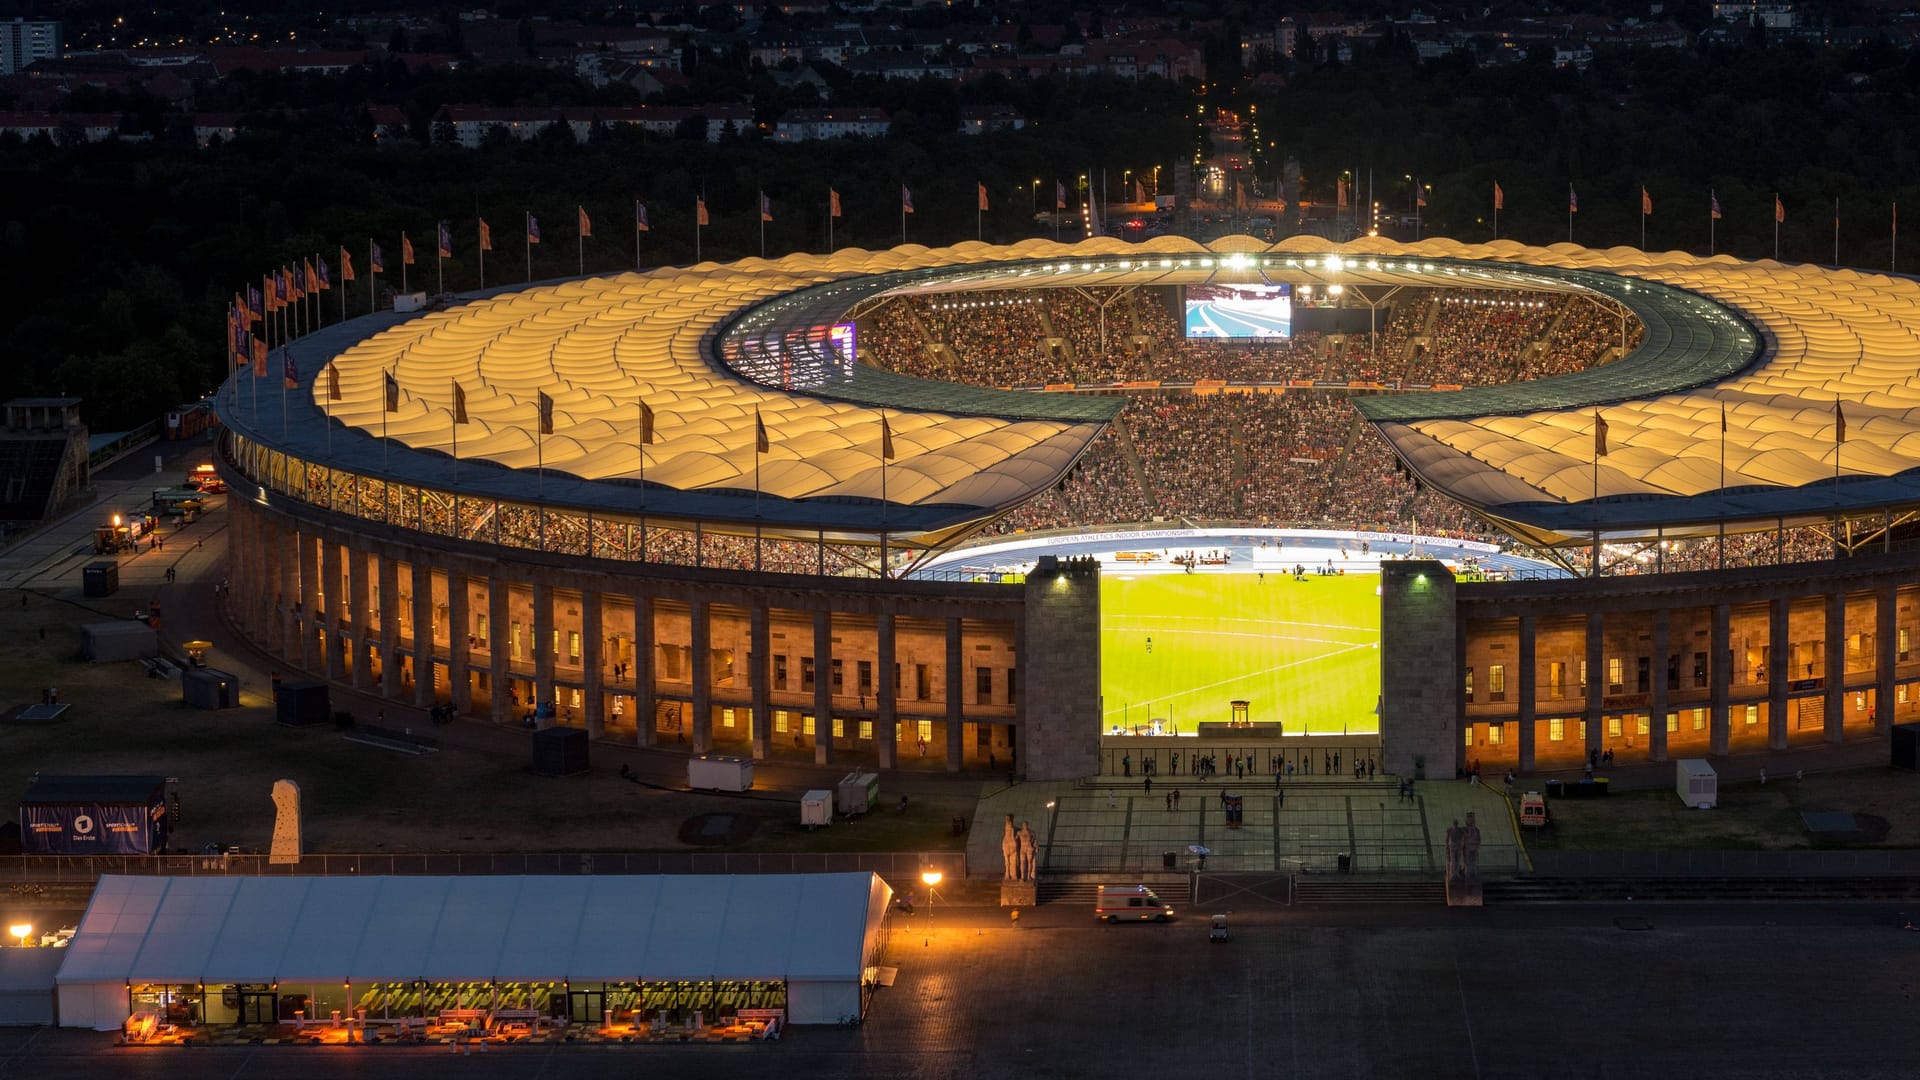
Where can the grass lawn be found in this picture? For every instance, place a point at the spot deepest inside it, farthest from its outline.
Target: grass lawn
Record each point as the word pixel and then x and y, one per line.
pixel 1305 653
pixel 1750 815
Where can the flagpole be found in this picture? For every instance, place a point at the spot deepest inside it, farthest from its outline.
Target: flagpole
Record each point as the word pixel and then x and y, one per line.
pixel 1712 221
pixel 332 375
pixel 285 359
pixel 1643 219
pixel 343 294
pixel 763 224
pixel 1893 256
pixel 636 234
pixel 1722 558
pixel 1776 226
pixel 370 276
pixel 1836 230
pixel 1569 213
pixel 580 243
pixel 439 268
pixel 482 248
pixel 829 219
pixel 404 244
pixel 526 236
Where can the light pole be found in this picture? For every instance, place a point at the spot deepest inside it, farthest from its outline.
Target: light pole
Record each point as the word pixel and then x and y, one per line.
pixel 21 931
pixel 1033 198
pixel 932 878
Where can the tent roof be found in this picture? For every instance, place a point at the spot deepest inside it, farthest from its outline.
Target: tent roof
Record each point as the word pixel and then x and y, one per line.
pixel 450 929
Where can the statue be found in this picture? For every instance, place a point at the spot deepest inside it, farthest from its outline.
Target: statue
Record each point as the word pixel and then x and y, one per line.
pixel 1027 853
pixel 286 823
pixel 1470 849
pixel 1453 850
pixel 1463 864
pixel 1010 851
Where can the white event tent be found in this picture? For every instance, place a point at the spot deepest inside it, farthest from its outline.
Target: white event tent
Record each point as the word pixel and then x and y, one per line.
pixel 816 932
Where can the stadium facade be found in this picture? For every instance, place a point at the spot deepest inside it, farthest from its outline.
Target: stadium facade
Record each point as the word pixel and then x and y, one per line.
pixel 671 506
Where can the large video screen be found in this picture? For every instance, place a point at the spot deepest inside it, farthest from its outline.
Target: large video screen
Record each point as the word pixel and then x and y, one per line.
pixel 1239 311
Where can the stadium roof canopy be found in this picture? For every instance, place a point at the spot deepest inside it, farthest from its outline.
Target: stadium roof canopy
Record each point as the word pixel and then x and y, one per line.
pixel 709 347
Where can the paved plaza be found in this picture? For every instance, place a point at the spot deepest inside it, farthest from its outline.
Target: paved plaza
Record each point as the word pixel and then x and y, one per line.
pixel 1660 991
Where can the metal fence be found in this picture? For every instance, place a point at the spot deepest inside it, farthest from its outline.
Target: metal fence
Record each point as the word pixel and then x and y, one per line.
pixel 893 866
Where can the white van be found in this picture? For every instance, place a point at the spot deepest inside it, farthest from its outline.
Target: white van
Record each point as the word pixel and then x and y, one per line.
pixel 1130 903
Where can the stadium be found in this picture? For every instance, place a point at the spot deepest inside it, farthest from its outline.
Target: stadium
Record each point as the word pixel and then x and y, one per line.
pixel 1033 507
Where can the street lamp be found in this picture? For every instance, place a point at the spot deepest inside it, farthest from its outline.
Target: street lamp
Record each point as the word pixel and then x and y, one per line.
pixel 932 878
pixel 1033 197
pixel 20 930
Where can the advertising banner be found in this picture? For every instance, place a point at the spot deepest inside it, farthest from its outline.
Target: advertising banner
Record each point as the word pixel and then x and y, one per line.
pixel 79 829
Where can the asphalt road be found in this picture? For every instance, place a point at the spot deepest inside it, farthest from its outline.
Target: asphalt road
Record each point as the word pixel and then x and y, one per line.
pixel 1561 991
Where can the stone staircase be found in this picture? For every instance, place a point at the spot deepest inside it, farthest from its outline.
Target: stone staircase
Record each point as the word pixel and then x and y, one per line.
pixel 1703 890
pixel 1368 889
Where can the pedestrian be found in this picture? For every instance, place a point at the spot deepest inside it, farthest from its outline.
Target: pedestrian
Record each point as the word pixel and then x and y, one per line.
pixel 1149 783
pixel 1276 780
pixel 1169 802
pixel 1126 764
pixel 1176 798
pixel 1369 768
pixel 993 762
pixel 1280 795
pixel 1110 803
pixel 1763 768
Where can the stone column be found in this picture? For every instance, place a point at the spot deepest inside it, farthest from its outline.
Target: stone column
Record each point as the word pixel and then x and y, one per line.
pixel 543 689
pixel 499 648
pixel 700 644
pixel 823 687
pixel 1529 692
pixel 1419 682
pixel 594 711
pixel 332 585
pixel 1886 653
pixel 1836 673
pixel 1596 683
pixel 289 591
pixel 886 727
pixel 760 724
pixel 423 651
pixel 309 656
pixel 389 625
pixel 1056 635
pixel 360 612
pixel 1778 649
pixel 1720 667
pixel 643 699
pixel 459 652
pixel 956 708
pixel 1657 713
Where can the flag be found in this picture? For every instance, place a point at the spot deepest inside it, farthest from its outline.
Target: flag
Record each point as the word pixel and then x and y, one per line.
pixel 586 223
pixel 333 382
pixel 392 403
pixel 294 291
pixel 533 229
pixel 346 265
pixel 376 259
pixel 766 207
pixel 459 403
pixel 256 307
pixel 640 217
pixel 237 311
pixel 546 413
pixel 1573 200
pixel 289 371
pixel 1599 435
pixel 646 424
pixel 1714 203
pixel 1723 418
pixel 1499 197
pixel 259 358
pixel 1340 194
pixel 446 241
pixel 313 277
pixel 1779 209
pixel 1839 424
pixel 1646 202
pixel 833 203
pixel 886 439
pixel 280 288
pixel 1059 195
pixel 326 275
pixel 906 200
pixel 759 432
pixel 1419 194
pixel 406 250
pixel 486 236
pixel 983 197
pixel 700 211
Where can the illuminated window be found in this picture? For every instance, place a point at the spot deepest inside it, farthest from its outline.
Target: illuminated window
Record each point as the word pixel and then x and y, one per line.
pixel 866 729
pixel 1699 719
pixel 1616 674
pixel 1468 736
pixel 1859 701
pixel 806 725
pixel 926 731
pixel 1556 679
pixel 839 729
pixel 516 639
pixel 1640 724
pixel 726 717
pixel 1906 642
pixel 780 720
pixel 1900 694
pixel 1613 727
pixel 1497 682
pixel 573 645
pixel 480 625
pixel 1496 734
pixel 1753 715
pixel 1466 685
pixel 1673 722
pixel 1556 729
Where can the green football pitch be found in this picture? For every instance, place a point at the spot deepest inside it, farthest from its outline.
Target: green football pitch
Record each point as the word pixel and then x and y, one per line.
pixel 1181 647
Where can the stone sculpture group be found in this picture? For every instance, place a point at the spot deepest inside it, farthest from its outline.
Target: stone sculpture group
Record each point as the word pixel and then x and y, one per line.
pixel 1017 851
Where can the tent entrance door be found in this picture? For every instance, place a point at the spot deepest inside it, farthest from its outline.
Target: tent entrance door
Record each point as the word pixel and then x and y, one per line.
pixel 585 1006
pixel 259 1007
